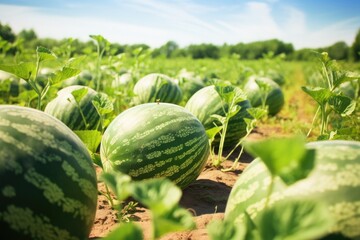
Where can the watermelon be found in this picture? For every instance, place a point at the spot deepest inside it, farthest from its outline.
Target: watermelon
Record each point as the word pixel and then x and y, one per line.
pixel 275 98
pixel 335 180
pixel 207 102
pixel 157 87
pixel 48 186
pixel 64 108
pixel 189 83
pixel 154 140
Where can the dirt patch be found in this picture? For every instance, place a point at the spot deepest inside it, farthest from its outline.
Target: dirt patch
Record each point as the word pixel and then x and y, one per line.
pixel 205 198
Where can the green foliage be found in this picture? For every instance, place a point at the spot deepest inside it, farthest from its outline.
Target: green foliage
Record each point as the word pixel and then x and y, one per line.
pixel 160 195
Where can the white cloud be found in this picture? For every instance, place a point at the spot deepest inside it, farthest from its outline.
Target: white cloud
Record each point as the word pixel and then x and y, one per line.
pixel 157 21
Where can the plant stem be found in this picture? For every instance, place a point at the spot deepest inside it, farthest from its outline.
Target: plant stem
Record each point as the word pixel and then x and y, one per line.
pixel 313 121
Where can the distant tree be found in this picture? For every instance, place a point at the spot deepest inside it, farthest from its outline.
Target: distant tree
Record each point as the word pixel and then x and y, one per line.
pixel 204 51
pixel 27 35
pixel 6 33
pixel 355 48
pixel 339 51
pixel 167 50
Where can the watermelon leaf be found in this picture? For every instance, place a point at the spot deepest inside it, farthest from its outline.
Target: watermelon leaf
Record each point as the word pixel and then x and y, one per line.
pixel 24 70
pixel 44 54
pixel 125 231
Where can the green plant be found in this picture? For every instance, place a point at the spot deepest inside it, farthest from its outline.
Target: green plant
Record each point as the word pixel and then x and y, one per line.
pixel 328 95
pixel 47 179
pixel 160 195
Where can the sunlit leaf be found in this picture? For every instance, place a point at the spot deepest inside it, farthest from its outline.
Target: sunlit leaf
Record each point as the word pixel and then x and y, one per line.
pixel 23 70
pixel 79 94
pixel 320 95
pixel 44 54
pixel 342 105
pixel 160 194
pixel 119 183
pixel 102 103
pixel 285 157
pixel 257 113
pixel 177 219
pixel 211 133
pixel 344 76
pixel 294 219
pixel 63 74
pixel 91 138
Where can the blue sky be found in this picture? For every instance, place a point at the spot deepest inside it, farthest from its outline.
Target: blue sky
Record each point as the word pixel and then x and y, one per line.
pixel 304 23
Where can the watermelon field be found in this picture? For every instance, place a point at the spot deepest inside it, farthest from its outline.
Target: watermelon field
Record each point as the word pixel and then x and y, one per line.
pixel 101 145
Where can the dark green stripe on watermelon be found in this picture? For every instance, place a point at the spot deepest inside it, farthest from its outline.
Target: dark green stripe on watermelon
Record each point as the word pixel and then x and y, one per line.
pixel 156 140
pixel 335 181
pixel 48 187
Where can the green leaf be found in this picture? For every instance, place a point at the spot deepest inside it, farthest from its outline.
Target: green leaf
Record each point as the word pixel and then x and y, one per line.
pixel 211 133
pixel 220 118
pixel 160 195
pixel 23 70
pixel 294 219
pixel 44 54
pixel 257 113
pixel 75 62
pixel 119 183
pixel 102 103
pixel 344 76
pixel 177 219
pixel 63 74
pixel 91 139
pixel 285 157
pixel 125 231
pixel 263 85
pixel 79 94
pixel 234 110
pixel 101 41
pixel 342 105
pixel 319 94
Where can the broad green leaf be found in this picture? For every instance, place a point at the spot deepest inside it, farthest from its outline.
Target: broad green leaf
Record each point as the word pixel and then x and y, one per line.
pixel 63 74
pixel 285 157
pixel 176 219
pixel 342 105
pixel 294 219
pixel 119 183
pixel 211 133
pixel 160 195
pixel 220 118
pixel 320 95
pixel 44 54
pixel 23 70
pixel 75 62
pixel 234 110
pixel 103 104
pixel 101 41
pixel 125 231
pixel 78 94
pixel 344 76
pixel 257 113
pixel 91 138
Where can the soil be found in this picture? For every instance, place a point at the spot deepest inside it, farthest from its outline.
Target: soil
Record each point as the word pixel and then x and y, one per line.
pixel 205 198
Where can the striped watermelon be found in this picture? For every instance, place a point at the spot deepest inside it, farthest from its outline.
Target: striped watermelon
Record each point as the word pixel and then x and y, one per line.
pixel 156 86
pixel 207 102
pixel 275 99
pixel 335 181
pixel 48 186
pixel 156 140
pixel 69 113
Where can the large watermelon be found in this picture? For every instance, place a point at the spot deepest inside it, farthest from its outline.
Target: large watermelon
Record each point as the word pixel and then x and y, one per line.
pixel 48 187
pixel 156 140
pixel 65 108
pixel 207 102
pixel 335 181
pixel 157 87
pixel 275 98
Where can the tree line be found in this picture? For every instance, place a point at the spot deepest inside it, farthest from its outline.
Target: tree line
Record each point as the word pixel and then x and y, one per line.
pixel 11 43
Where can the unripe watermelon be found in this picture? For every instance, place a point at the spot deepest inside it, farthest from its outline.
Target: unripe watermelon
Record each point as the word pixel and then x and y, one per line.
pixel 64 108
pixel 156 140
pixel 207 102
pixel 156 86
pixel 48 187
pixel 275 98
pixel 335 180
